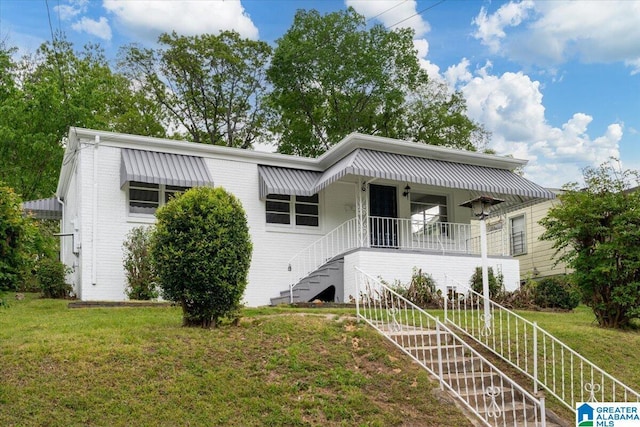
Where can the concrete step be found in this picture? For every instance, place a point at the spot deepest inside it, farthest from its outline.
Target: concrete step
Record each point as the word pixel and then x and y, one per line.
pixel 458 364
pixel 424 353
pixel 467 383
pixel 509 412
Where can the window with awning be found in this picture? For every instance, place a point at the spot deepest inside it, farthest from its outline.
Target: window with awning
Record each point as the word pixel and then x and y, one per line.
pixel 153 167
pixel 153 178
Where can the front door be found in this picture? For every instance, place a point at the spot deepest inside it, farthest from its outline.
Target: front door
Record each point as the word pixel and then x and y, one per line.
pixel 383 210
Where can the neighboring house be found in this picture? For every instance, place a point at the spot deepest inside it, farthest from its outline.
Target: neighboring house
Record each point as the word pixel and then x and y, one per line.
pixel 537 257
pixel 380 204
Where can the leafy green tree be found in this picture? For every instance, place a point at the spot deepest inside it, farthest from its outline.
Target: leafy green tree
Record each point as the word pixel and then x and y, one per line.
pixel 202 251
pixel 210 85
pixel 44 94
pixel 332 75
pixel 596 229
pixel 13 236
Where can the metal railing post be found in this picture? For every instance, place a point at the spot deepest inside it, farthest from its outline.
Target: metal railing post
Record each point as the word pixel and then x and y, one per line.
pixel 357 294
pixel 535 357
pixel 439 345
pixel 543 410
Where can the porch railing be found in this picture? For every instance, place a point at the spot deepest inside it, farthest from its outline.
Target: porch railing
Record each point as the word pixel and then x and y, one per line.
pixel 550 363
pixel 411 234
pixel 446 237
pixel 397 233
pixel 487 392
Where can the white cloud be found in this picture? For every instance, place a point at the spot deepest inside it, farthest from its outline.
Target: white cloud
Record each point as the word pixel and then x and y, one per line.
pixel 510 107
pixel 553 32
pixel 458 73
pixel 99 28
pixel 491 27
pixel 147 19
pixel 66 12
pixel 634 64
pixel 392 13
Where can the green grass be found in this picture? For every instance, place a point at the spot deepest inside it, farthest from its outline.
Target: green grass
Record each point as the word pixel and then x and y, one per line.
pixel 617 352
pixel 138 366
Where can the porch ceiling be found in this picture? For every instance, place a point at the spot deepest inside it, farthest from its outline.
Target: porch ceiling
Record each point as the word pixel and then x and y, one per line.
pixel 163 168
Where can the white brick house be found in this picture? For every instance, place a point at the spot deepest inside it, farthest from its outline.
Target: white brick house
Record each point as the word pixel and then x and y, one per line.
pixel 381 204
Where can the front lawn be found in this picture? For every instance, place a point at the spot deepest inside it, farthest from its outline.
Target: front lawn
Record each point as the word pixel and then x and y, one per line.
pixel 138 366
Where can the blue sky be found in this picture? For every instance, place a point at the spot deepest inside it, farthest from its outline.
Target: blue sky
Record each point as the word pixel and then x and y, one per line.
pixel 555 82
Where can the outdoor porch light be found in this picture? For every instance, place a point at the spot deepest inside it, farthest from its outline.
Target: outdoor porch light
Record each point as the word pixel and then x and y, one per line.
pixel 480 206
pixel 406 193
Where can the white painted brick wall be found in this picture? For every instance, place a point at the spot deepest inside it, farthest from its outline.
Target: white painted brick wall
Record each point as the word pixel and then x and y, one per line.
pixel 446 270
pixel 273 246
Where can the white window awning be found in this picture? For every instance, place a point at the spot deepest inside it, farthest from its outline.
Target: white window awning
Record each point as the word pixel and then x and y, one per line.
pixel 277 180
pixel 163 168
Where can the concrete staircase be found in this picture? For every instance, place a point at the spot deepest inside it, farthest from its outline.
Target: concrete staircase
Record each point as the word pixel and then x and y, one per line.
pixel 467 374
pixel 317 285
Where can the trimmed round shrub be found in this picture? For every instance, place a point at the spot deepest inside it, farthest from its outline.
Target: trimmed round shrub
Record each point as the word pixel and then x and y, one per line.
pixel 202 251
pixel 138 267
pixel 557 292
pixel 50 274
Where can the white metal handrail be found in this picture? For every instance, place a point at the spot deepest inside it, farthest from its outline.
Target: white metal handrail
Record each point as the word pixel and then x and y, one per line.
pixel 550 363
pixel 340 240
pixel 487 392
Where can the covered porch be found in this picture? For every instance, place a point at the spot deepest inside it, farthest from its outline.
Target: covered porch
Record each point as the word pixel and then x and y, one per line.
pixel 405 203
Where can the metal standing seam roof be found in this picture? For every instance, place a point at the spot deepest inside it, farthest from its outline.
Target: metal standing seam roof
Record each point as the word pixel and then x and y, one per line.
pixel 44 208
pixel 277 180
pixel 163 168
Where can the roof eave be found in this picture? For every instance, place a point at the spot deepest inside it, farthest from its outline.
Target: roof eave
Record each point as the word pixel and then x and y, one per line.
pixel 356 140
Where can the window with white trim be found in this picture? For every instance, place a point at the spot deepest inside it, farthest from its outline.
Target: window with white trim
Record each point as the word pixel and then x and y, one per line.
pixel 298 211
pixel 145 198
pixel 518 236
pixel 426 210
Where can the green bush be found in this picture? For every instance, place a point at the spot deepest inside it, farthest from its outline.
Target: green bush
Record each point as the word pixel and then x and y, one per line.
pixel 496 286
pixel 202 251
pixel 521 298
pixel 139 270
pixel 422 289
pixel 13 232
pixel 50 274
pixel 556 292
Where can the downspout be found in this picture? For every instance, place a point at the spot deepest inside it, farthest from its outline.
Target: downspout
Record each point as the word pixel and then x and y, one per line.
pixel 94 233
pixel 62 227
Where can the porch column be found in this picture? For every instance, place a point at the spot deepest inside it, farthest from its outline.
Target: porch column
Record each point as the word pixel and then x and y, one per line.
pixel 362 213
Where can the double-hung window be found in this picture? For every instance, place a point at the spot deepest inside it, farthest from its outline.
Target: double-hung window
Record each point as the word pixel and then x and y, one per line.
pixel 296 211
pixel 518 241
pixel 145 198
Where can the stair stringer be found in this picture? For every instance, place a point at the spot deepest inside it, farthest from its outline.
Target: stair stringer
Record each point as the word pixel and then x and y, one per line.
pixel 306 290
